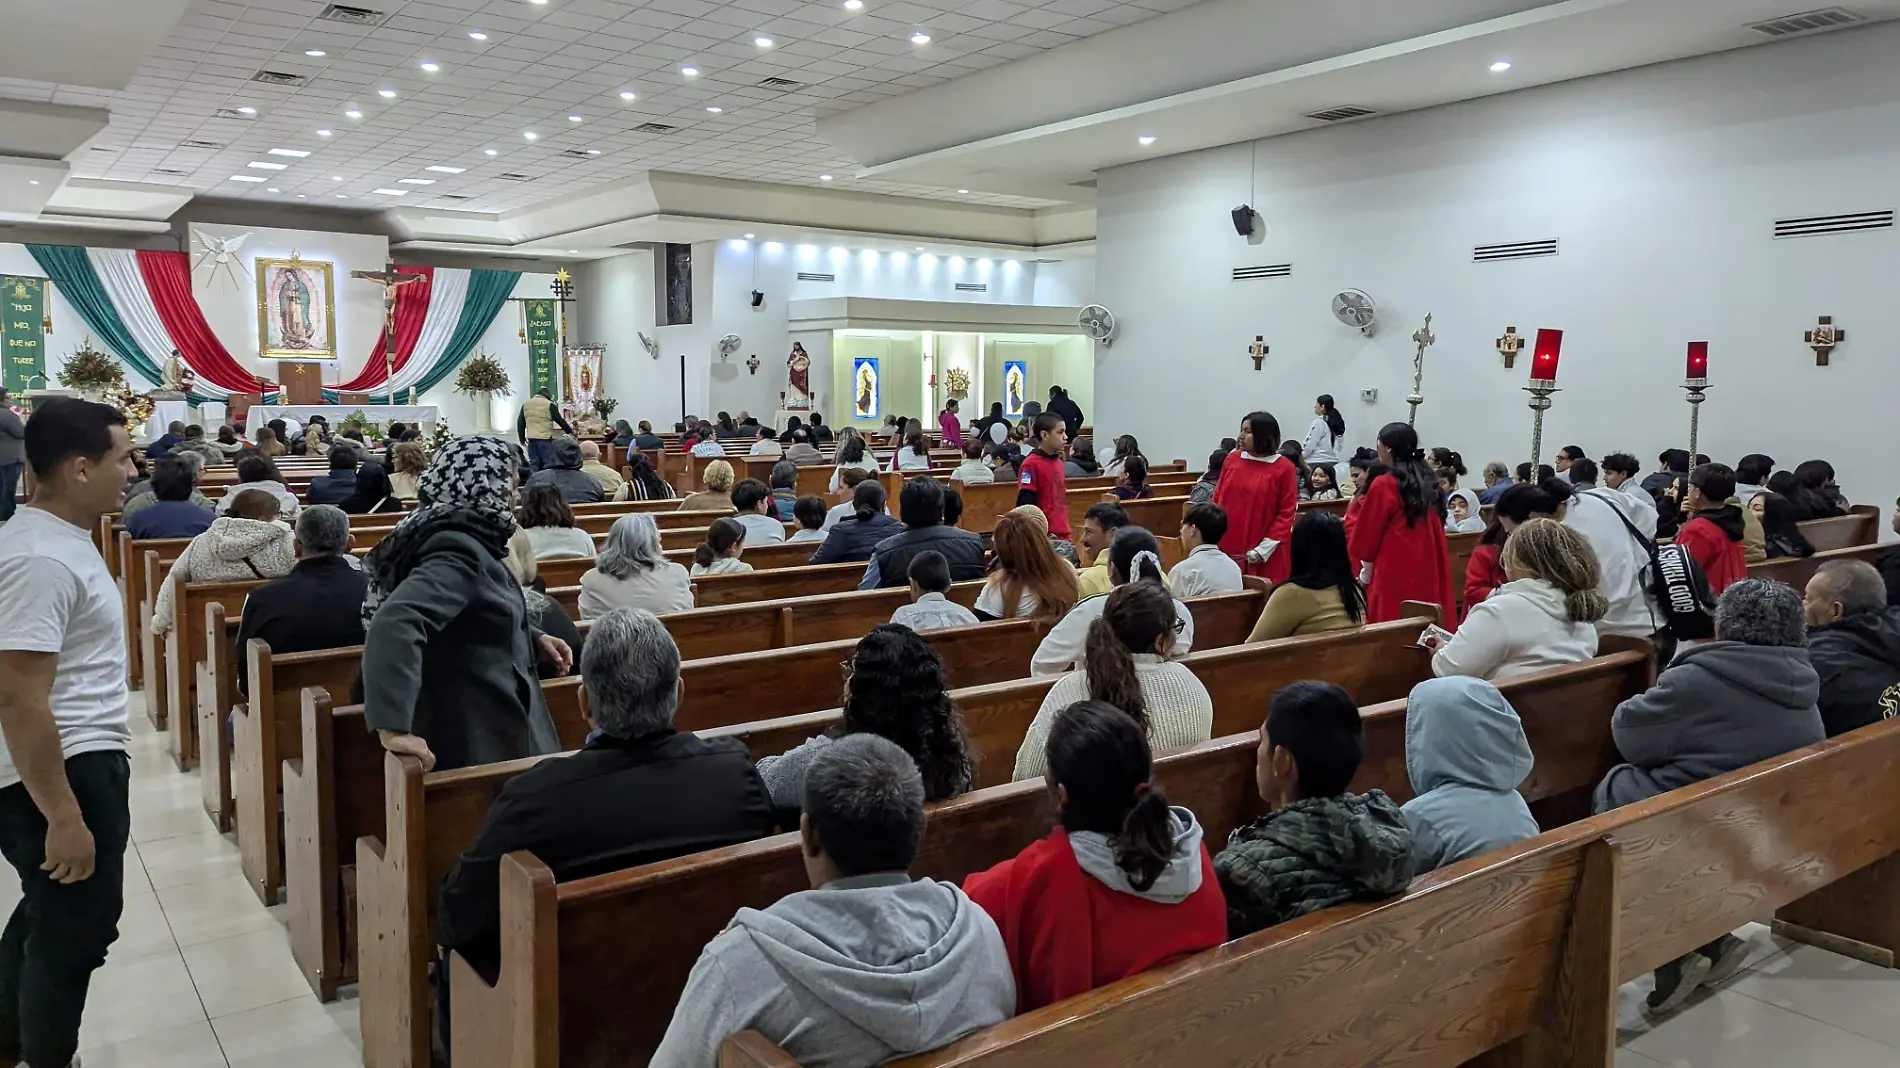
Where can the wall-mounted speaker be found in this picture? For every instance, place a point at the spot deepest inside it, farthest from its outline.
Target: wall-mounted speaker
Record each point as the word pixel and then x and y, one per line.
pixel 758 298
pixel 1243 220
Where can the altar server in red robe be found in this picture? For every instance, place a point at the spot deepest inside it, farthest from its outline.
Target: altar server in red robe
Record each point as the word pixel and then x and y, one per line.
pixel 1259 490
pixel 1399 534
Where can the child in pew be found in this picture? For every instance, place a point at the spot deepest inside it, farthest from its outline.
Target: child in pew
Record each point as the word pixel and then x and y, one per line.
pixel 809 513
pixel 1749 695
pixel 1205 571
pixel 869 964
pixel 1122 885
pixel 895 688
pixel 1466 754
pixel 719 553
pixel 1320 845
pixel 929 609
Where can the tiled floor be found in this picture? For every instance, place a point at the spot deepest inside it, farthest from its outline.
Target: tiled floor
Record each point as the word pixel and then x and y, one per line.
pixel 201 976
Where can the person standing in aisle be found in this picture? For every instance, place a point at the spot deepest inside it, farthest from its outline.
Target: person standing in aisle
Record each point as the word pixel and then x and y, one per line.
pixel 1043 481
pixel 1259 490
pixel 64 771
pixel 12 454
pixel 539 416
pixel 1323 438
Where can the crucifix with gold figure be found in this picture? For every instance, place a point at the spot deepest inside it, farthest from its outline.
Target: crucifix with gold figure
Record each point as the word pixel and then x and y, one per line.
pixel 1258 350
pixel 391 280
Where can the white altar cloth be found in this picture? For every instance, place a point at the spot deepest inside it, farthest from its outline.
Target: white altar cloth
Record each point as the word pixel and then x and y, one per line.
pixel 163 413
pixel 413 414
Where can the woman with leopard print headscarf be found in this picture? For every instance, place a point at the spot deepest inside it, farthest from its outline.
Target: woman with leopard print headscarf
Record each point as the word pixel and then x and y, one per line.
pixel 450 648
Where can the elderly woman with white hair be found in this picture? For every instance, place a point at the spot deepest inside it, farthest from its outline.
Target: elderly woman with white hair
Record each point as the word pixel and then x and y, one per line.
pixel 632 572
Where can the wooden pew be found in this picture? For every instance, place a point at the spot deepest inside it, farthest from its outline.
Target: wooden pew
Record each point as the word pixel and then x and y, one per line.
pixel 185 648
pixel 1158 515
pixel 810 581
pixel 619 996
pixel 745 627
pixel 1860 526
pixel 132 566
pixel 1458 550
pixel 1797 570
pixel 984 503
pixel 217 692
pixel 154 564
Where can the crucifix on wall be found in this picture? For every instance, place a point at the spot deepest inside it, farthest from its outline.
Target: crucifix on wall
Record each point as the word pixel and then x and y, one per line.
pixel 1258 350
pixel 1508 346
pixel 391 280
pixel 1823 339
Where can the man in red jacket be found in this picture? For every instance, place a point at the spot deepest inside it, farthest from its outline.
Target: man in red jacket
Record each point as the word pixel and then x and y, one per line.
pixel 1713 535
pixel 1041 480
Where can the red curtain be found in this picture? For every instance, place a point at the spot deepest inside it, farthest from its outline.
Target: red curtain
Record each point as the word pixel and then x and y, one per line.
pixel 412 306
pixel 168 278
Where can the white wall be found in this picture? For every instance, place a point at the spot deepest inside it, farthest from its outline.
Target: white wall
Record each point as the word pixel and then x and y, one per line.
pixel 1662 185
pixel 231 307
pixel 1066 282
pixel 615 305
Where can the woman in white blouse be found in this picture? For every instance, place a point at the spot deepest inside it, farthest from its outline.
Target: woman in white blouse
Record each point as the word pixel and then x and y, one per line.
pixel 632 572
pixel 914 454
pixel 1323 437
pixel 549 524
pixel 852 452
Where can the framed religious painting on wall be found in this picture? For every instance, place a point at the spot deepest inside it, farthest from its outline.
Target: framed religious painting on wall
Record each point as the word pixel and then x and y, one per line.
pixel 1015 387
pixel 296 309
pixel 864 387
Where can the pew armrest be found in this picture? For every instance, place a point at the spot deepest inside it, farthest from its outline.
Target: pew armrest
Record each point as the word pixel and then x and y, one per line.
pixel 749 1049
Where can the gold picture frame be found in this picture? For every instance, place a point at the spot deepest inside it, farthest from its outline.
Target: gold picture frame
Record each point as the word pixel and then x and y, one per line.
pixel 291 324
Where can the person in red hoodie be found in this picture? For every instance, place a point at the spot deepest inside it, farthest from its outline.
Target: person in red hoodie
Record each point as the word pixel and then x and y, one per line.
pixel 1041 480
pixel 1400 532
pixel 1713 534
pixel 1122 885
pixel 1513 508
pixel 1259 488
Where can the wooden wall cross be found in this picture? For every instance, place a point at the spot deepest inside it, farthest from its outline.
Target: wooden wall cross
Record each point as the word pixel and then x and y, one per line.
pixel 1823 338
pixel 1258 350
pixel 1508 346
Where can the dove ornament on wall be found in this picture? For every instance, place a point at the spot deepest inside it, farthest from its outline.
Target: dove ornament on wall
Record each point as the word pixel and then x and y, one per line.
pixel 222 254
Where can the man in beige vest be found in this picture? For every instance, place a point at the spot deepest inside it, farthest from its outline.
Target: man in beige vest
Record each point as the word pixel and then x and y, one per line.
pixel 539 416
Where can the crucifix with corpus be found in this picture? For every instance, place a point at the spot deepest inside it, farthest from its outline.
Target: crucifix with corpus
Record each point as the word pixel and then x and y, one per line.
pixel 1823 338
pixel 1508 346
pixel 391 280
pixel 1258 350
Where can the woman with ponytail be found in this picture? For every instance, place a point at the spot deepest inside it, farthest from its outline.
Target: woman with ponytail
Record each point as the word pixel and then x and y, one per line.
pixel 1398 533
pixel 1134 556
pixel 1122 885
pixel 854 537
pixel 1260 489
pixel 719 553
pixel 1544 617
pixel 1126 664
pixel 1324 436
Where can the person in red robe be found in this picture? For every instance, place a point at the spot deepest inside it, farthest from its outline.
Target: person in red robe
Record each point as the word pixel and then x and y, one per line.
pixel 1259 491
pixel 1123 885
pixel 1400 533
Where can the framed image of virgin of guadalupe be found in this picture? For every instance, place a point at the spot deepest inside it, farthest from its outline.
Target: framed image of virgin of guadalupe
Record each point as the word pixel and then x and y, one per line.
pixel 296 309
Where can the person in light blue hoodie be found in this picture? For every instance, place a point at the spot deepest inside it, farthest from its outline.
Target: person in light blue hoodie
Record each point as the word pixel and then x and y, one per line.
pixel 1466 753
pixel 868 965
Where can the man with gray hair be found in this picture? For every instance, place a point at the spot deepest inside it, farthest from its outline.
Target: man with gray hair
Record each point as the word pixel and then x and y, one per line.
pixel 319 605
pixel 1854 641
pixel 1747 696
pixel 868 964
pixel 638 792
pixel 610 479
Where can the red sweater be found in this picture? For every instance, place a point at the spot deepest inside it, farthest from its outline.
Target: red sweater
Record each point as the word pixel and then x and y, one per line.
pixel 1723 561
pixel 1068 932
pixel 1483 575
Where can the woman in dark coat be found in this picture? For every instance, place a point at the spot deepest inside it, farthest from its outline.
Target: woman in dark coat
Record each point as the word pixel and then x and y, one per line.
pixel 450 651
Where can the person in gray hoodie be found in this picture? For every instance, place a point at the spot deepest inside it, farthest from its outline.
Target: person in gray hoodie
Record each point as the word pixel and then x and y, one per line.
pixel 1749 695
pixel 563 472
pixel 1466 753
pixel 869 964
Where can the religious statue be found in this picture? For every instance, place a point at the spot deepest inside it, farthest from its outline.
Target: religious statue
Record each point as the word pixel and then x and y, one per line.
pixel 798 376
pixel 177 377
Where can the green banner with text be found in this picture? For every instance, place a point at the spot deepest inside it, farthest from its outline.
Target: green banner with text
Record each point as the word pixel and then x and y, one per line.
pixel 543 369
pixel 23 331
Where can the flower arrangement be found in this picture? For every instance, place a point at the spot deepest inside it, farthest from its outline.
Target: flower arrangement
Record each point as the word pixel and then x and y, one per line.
pixel 482 373
pixel 91 372
pixel 957 380
pixel 136 407
pixel 439 436
pixel 370 428
pixel 605 405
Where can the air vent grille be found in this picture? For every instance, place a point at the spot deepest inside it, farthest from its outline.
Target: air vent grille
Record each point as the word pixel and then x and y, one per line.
pixel 355 16
pixel 278 77
pixel 233 113
pixel 1514 250
pixel 782 85
pixel 453 196
pixel 512 176
pixel 813 276
pixel 972 287
pixel 578 153
pixel 1822 225
pixel 174 172
pixel 1345 111
pixel 1275 270
pixel 195 143
pixel 1829 18
pixel 654 128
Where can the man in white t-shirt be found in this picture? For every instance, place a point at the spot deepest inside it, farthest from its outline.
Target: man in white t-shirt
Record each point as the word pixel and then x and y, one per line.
pixel 64 816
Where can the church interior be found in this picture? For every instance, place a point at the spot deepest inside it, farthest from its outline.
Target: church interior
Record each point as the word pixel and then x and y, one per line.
pixel 1501 226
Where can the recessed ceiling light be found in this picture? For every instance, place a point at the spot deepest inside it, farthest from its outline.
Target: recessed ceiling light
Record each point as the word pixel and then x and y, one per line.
pixel 573 118
pixel 762 42
pixel 573 251
pixel 626 94
pixel 32 181
pixel 392 192
pixel 963 190
pixel 272 189
pixel 246 178
pixel 302 196
pixel 824 177
pixel 314 53
pixel 538 3
pixel 416 181
pixel 715 110
pixel 343 196
pixel 920 248
pixel 294 153
pixel 431 66
pixel 1146 139
pixel 477 35
pixel 748 237
pixel 336 177
pixel 530 135
pixel 593 151
pixel 321 132
pixel 247 110
pixel 1500 66
pixel 386 94
pixel 438 168
pixel 261 165
pixel 920 38
pixel 489 152
pixel 690 72
pixel 854 5
pixel 353 113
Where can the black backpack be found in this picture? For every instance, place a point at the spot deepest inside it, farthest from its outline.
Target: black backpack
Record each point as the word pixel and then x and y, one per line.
pixel 1680 601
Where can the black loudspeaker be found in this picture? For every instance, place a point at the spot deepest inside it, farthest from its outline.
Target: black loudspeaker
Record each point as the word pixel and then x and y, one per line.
pixel 1243 220
pixel 758 298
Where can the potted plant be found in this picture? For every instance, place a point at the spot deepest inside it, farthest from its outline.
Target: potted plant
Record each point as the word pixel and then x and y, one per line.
pixel 481 376
pixel 91 373
pixel 605 405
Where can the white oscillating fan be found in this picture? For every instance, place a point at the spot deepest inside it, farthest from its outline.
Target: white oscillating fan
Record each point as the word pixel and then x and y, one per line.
pixel 1098 323
pixel 1355 308
pixel 652 346
pixel 728 345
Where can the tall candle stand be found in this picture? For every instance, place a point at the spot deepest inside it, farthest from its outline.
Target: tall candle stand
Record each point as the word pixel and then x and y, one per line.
pixel 1540 390
pixel 1695 387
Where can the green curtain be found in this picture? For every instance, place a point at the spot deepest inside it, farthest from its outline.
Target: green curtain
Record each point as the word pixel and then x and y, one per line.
pixel 487 293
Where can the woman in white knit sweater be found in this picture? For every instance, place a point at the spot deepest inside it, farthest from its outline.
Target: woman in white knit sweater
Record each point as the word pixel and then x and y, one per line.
pixel 1127 665
pixel 245 544
pixel 1545 616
